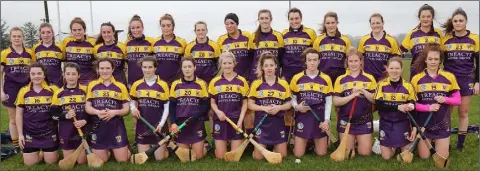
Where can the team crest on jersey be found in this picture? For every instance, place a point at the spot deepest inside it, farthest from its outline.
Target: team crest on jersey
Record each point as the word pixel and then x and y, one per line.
pixel 259 131
pixel 341 48
pixel 95 93
pixel 444 87
pixel 459 47
pixel 302 87
pixel 300 125
pixel 365 85
pixel 219 88
pixel 198 92
pixel 119 138
pixel 260 93
pixel 423 87
pixel 177 92
pixel 115 94
pixel 449 46
pixel 139 92
pixel 281 94
pixel 200 133
pixel 345 86
pixel 11 61
pixel 62 100
pixel 282 134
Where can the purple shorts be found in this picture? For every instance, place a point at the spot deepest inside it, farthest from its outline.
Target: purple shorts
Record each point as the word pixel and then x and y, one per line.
pixel 49 140
pixel 68 135
pixel 11 90
pixel 222 130
pixel 70 143
pixel 335 73
pixel 355 129
pixel 307 127
pixel 466 84
pixel 394 134
pixel 109 135
pixel 272 131
pixel 192 133
pixel 144 135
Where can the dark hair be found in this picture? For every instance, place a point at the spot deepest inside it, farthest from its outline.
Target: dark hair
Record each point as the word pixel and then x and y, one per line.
pixel 148 58
pixel 294 10
pixel 43 25
pixel 78 20
pixel 307 51
pixel 375 15
pixel 100 38
pixel 428 8
pixel 134 18
pixel 71 65
pixel 448 26
pixel 97 62
pixel 258 32
pixel 394 58
pixel 261 60
pixel 328 14
pixel 167 17
pixel 191 59
pixel 42 67
pixel 420 64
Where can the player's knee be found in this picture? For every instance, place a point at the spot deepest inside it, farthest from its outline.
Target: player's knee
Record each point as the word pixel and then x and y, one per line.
pixel 463 113
pixel 364 152
pixel 386 156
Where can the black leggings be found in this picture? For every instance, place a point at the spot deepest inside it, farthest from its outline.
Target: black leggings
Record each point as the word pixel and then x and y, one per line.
pixel 31 150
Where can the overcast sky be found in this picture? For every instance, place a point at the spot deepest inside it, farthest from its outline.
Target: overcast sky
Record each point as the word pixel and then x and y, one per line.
pixel 400 17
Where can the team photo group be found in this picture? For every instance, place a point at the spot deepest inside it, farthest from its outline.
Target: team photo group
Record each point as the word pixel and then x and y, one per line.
pixel 277 90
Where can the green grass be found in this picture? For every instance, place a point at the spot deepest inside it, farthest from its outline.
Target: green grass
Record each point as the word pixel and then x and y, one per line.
pixel 468 160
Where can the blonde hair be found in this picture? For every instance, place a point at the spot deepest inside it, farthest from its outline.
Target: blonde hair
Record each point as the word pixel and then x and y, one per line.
pixel 261 60
pixel 352 51
pixel 199 22
pixel 167 17
pixel 223 56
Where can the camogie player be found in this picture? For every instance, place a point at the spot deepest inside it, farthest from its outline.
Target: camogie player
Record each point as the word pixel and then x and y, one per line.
pixel 37 131
pixel 69 102
pixel 228 93
pixel 138 46
pixel 311 90
pixel 332 46
pixel 461 49
pixel 437 91
pixel 236 41
pixel 14 72
pixel 189 99
pixel 107 103
pixel 296 38
pixel 377 47
pixel 416 40
pixel 168 50
pixel 49 53
pixel 355 83
pixel 204 51
pixel 265 39
pixel 78 48
pixel 150 97
pixel 107 46
pixel 393 98
pixel 269 95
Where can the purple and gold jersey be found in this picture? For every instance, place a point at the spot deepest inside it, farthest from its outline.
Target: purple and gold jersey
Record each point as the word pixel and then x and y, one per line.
pixel 168 55
pixel 312 91
pixel 265 95
pixel 117 52
pixel 206 58
pixel 229 95
pixel 67 99
pixel 461 53
pixel 137 48
pixel 377 52
pixel 51 57
pixel 15 65
pixel 188 95
pixel 239 47
pixel 37 122
pixel 363 109
pixel 102 97
pixel 426 87
pixel 272 42
pixel 150 99
pixel 295 41
pixel 416 40
pixel 402 94
pixel 332 51
pixel 81 52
